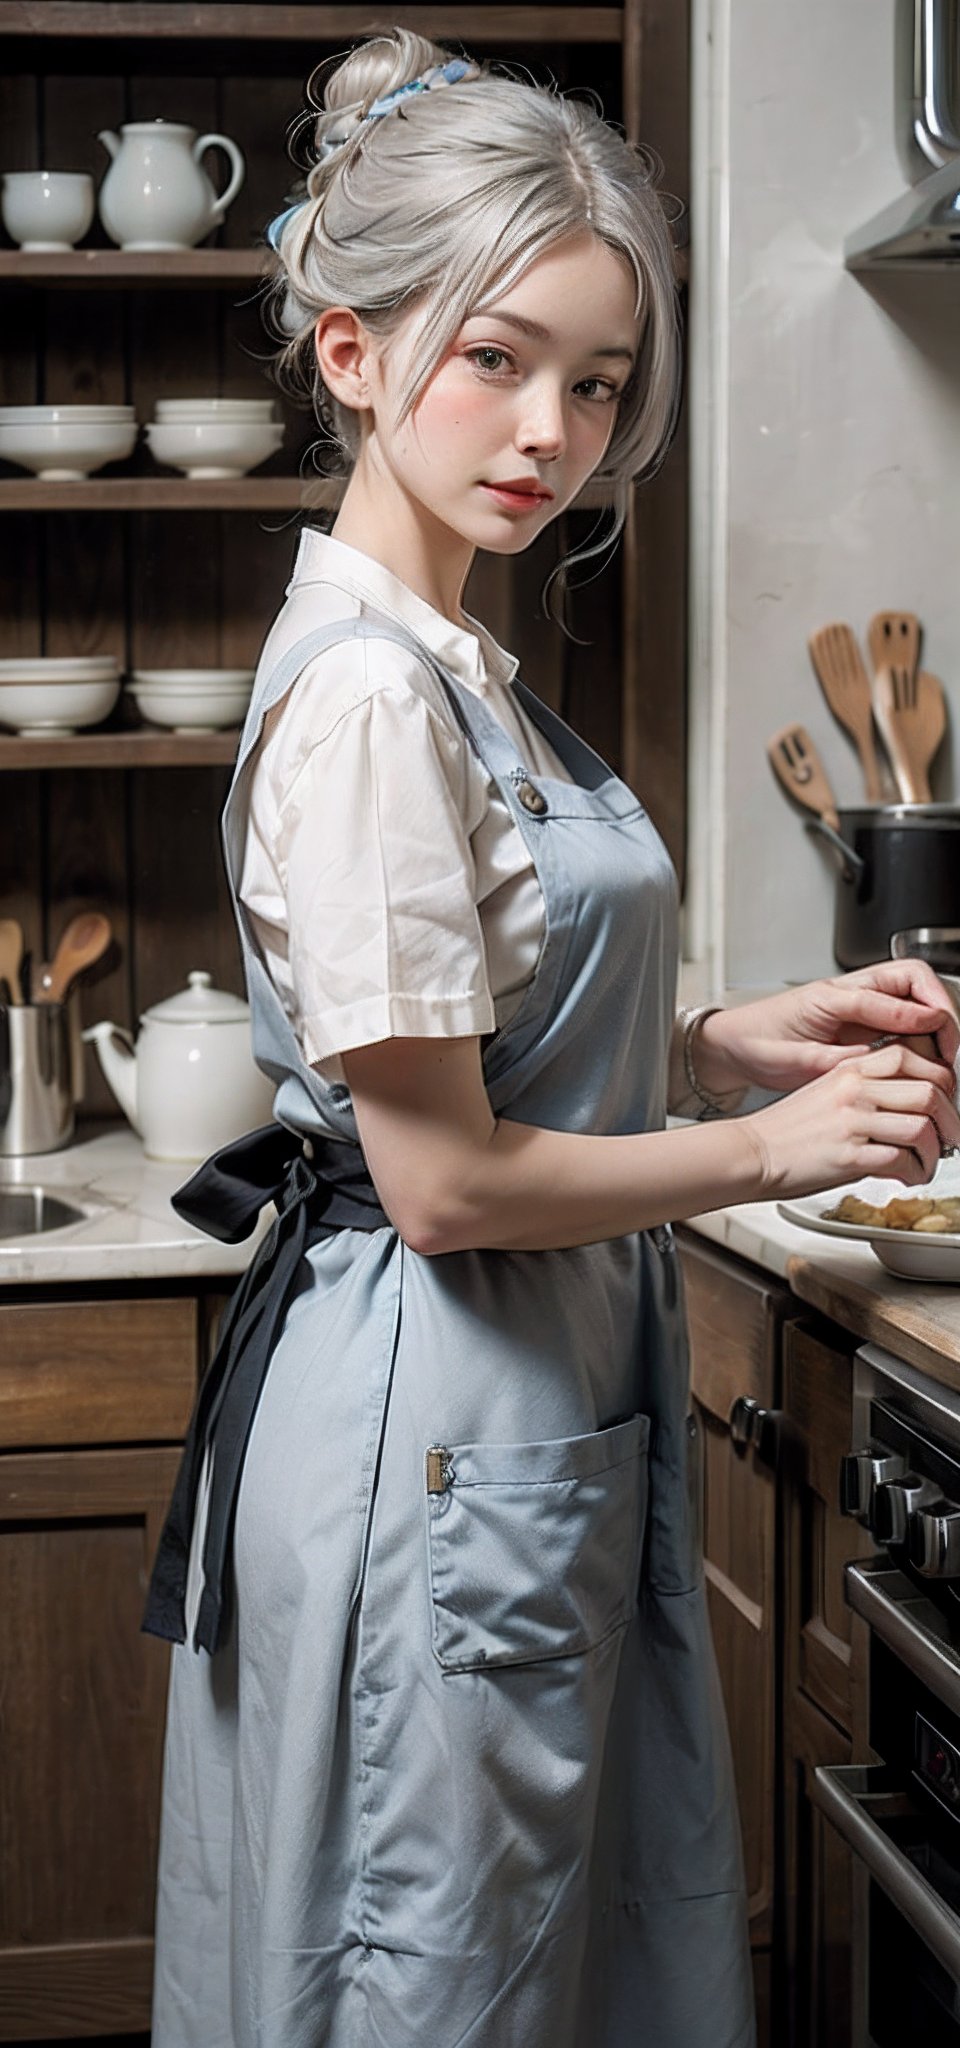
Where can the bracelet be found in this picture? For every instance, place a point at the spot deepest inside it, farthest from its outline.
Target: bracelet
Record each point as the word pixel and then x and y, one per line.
pixel 690 1021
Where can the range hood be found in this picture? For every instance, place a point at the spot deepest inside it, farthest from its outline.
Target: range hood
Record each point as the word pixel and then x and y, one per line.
pixel 921 229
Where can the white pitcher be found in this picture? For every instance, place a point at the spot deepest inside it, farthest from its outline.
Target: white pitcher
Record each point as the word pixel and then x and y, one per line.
pixel 156 194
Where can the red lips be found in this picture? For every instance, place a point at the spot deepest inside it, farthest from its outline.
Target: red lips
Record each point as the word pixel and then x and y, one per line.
pixel 528 486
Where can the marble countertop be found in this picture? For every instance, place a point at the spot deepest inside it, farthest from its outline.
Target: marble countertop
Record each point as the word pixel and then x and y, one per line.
pixel 128 1230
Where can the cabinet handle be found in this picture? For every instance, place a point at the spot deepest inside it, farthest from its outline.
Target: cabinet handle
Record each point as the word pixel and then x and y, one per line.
pixel 750 1423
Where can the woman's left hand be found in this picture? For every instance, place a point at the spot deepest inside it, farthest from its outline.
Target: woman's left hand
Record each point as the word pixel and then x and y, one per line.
pixel 782 1041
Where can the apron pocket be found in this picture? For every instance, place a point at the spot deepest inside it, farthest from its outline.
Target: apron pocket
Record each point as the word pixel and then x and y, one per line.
pixel 534 1549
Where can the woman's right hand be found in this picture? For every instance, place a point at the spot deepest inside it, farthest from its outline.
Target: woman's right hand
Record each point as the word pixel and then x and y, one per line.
pixel 888 1113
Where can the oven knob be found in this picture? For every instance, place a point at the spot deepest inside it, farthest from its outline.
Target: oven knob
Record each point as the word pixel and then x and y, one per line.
pixel 860 1472
pixel 893 1504
pixel 934 1540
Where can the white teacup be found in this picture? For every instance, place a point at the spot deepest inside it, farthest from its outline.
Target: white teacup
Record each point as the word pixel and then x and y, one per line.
pixel 47 209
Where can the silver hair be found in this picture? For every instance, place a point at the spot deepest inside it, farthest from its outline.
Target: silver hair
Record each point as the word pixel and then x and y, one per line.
pixel 440 207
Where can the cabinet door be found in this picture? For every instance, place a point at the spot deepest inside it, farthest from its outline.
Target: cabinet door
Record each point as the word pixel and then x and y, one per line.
pixel 82 1697
pixel 824 1643
pixel 818 1892
pixel 735 1318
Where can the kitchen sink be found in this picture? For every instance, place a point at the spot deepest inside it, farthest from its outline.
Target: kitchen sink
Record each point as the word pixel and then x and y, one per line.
pixel 27 1212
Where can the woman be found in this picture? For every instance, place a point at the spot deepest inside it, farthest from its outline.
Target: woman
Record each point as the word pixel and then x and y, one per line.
pixel 446 1759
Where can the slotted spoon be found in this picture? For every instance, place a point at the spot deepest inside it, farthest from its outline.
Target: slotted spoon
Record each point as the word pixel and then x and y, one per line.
pixel 894 642
pixel 798 766
pixel 845 683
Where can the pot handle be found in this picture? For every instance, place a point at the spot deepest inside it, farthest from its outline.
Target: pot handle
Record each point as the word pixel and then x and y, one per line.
pixel 852 863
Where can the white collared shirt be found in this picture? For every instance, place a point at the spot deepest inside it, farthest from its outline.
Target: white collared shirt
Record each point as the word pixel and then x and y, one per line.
pixel 387 884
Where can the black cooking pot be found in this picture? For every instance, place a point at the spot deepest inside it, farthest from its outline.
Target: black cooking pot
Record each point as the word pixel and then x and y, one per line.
pixel 899 865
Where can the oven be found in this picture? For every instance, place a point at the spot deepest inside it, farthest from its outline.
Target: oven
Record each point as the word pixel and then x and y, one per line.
pixel 900 1816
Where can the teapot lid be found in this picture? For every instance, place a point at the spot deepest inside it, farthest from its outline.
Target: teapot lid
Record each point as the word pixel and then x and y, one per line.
pixel 199 1003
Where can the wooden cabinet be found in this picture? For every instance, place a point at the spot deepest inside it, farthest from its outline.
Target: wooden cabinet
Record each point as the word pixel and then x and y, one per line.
pixel 88 1454
pixel 824 1674
pixel 736 1318
pixel 791 1654
pixel 817 1891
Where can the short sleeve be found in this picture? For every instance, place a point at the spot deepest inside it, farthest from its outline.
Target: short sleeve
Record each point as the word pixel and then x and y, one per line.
pixel 373 851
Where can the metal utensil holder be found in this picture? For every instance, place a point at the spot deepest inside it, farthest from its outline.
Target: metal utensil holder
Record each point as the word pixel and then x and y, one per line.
pixel 41 1075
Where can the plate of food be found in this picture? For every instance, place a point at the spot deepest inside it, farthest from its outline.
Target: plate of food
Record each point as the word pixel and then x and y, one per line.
pixel 913 1231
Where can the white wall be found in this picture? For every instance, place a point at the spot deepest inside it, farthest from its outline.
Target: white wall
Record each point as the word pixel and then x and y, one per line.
pixel 825 428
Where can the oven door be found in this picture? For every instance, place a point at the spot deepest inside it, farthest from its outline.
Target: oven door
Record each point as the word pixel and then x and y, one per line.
pixel 907 1864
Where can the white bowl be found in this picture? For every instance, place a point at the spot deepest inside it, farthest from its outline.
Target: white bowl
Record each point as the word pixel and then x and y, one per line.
pixel 214 408
pixel 204 448
pixel 190 707
pixel 68 415
pixel 57 668
pixel 196 678
pixel 47 209
pixel 61 451
pixel 36 709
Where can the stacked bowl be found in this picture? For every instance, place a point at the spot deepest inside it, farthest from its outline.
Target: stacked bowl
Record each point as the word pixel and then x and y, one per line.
pixel 64 443
pixel 192 700
pixel 214 437
pixel 42 695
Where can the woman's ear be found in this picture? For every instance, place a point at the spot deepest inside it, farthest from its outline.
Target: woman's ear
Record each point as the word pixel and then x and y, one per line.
pixel 343 349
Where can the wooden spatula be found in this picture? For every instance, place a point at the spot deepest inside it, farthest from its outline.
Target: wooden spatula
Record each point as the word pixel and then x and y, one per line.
pixel 840 671
pixel 800 769
pixel 894 642
pixel 84 941
pixel 912 715
pixel 11 954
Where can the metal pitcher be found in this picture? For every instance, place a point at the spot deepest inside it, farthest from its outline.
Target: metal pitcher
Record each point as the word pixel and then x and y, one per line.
pixel 41 1075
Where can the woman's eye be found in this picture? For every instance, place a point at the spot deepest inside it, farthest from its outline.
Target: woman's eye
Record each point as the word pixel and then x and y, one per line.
pixel 474 354
pixel 605 392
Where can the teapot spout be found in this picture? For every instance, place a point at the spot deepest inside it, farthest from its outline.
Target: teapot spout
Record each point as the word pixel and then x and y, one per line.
pixel 119 1063
pixel 110 141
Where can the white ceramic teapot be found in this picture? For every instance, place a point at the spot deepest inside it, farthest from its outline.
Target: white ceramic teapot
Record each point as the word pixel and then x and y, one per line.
pixel 191 1084
pixel 156 194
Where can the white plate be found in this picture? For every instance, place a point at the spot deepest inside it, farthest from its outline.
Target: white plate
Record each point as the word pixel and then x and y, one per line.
pixel 910 1253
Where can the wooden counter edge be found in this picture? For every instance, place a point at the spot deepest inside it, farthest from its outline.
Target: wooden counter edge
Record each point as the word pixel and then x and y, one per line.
pixel 905 1322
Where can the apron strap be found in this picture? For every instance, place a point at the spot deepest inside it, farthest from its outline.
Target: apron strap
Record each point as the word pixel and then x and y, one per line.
pixel 330 1190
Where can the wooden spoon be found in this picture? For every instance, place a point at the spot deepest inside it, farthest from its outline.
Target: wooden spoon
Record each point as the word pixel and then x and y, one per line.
pixel 845 684
pixel 912 715
pixel 11 954
pixel 799 767
pixel 84 941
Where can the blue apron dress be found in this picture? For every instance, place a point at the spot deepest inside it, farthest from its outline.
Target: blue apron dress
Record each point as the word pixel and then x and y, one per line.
pixel 458 1772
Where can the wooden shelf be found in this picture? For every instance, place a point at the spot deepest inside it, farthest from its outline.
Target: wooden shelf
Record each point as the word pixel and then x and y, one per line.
pixel 149 749
pixel 119 267
pixel 126 20
pixel 170 494
pixel 178 494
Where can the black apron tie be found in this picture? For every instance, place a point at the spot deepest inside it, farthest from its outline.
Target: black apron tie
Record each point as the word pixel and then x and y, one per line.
pixel 317 1187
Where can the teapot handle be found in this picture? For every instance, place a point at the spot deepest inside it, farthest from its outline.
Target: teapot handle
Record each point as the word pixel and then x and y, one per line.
pixel 238 174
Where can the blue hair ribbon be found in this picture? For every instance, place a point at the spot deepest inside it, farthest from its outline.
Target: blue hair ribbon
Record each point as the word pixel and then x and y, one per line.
pixel 445 74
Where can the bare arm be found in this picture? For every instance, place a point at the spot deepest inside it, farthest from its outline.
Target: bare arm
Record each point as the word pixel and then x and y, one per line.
pixel 454 1177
